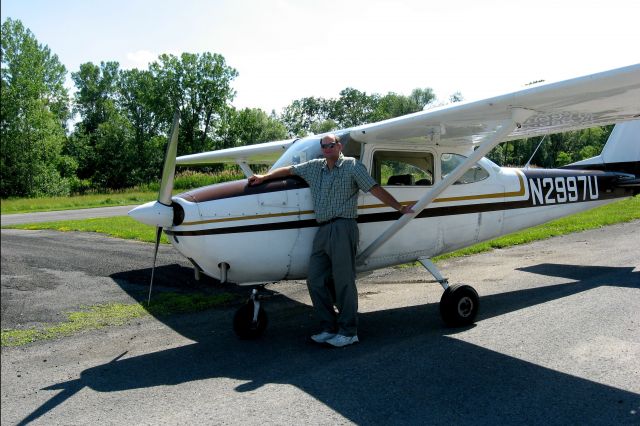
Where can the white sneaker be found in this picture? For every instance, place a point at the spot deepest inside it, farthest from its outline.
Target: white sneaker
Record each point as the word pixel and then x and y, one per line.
pixel 322 337
pixel 339 340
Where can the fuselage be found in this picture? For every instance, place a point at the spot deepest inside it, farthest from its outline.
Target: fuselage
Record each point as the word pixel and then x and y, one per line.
pixel 264 233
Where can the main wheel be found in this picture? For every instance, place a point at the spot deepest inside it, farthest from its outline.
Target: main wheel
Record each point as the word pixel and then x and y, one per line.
pixel 243 324
pixel 459 305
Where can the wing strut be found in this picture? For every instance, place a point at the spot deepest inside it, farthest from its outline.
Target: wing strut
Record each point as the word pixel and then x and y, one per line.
pixel 246 169
pixel 518 116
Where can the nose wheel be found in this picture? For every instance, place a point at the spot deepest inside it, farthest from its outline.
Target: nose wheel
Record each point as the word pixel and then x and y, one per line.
pixel 250 320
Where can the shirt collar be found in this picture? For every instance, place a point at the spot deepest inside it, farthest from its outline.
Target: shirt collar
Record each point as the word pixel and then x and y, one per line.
pixel 338 164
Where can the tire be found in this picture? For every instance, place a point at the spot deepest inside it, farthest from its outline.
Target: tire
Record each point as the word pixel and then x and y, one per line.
pixel 243 324
pixel 459 305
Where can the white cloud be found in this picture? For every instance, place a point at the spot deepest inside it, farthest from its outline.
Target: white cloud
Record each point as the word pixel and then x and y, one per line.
pixel 139 59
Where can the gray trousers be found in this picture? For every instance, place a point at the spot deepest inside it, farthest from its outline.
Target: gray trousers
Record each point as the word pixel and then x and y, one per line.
pixel 333 258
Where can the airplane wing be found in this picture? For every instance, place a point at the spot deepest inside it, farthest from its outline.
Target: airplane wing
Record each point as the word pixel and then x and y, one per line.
pixel 261 153
pixel 598 99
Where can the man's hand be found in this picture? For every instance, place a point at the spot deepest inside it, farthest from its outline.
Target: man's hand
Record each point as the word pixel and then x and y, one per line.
pixel 256 180
pixel 274 174
pixel 383 195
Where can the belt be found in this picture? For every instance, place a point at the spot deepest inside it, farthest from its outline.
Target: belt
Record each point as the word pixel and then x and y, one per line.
pixel 326 222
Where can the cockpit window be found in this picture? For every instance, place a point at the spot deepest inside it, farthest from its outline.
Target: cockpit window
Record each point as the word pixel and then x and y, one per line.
pixel 308 148
pixel 403 168
pixel 450 161
pixel 300 152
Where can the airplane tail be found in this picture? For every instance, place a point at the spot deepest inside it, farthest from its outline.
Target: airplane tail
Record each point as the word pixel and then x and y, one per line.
pixel 621 154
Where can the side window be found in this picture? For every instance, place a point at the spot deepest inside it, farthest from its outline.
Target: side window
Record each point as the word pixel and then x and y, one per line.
pixel 403 168
pixel 451 161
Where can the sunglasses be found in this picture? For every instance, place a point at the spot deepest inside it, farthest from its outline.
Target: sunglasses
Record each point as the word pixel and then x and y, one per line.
pixel 327 145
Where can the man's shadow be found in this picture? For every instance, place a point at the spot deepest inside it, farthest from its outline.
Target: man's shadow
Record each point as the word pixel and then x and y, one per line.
pixel 408 369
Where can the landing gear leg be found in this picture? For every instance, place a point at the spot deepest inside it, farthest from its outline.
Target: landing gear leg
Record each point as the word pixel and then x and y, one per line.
pixel 250 320
pixel 459 303
pixel 433 270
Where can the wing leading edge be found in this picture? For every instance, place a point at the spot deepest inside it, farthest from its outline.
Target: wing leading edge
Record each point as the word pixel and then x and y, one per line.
pixel 261 153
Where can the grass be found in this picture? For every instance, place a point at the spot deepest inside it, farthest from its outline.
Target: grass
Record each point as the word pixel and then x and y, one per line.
pixel 117 226
pixel 28 205
pixel 114 314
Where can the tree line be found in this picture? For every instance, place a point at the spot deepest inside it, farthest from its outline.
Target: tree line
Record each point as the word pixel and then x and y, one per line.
pixel 121 118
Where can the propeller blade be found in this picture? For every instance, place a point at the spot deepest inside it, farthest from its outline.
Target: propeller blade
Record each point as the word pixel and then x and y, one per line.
pixel 169 170
pixel 166 187
pixel 155 256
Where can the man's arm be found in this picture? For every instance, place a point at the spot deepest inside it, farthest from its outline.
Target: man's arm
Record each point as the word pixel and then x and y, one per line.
pixel 383 195
pixel 274 174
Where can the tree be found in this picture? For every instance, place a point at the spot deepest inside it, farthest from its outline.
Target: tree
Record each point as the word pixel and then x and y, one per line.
pixel 354 107
pixel 456 97
pixel 126 115
pixel 33 113
pixel 115 151
pixel 140 102
pixel 350 109
pixel 301 114
pixel 96 93
pixel 393 105
pixel 200 87
pixel 555 150
pixel 94 102
pixel 250 126
pixel 423 97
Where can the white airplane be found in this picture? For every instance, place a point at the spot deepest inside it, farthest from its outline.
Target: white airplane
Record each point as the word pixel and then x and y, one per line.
pixel 434 160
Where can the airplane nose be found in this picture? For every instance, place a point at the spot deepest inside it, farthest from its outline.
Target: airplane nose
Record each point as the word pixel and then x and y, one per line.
pixel 153 213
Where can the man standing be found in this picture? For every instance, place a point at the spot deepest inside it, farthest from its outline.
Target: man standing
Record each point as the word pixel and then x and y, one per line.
pixel 335 181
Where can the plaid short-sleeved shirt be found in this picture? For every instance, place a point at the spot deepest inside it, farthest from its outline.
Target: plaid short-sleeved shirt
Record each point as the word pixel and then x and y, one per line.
pixel 335 192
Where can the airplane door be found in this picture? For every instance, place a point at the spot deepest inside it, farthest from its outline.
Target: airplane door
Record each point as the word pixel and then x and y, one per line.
pixel 472 207
pixel 303 235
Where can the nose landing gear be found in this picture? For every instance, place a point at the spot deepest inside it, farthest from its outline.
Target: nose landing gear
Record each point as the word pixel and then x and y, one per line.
pixel 250 320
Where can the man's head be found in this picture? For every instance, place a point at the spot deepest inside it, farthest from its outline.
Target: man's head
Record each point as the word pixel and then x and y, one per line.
pixel 331 147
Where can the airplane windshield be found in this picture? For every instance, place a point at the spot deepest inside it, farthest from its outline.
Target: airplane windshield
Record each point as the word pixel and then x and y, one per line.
pixel 301 151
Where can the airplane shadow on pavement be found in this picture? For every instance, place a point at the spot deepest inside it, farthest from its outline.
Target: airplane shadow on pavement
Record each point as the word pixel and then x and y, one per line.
pixel 408 369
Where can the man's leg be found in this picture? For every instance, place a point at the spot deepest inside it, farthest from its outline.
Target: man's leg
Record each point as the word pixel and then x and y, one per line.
pixel 317 277
pixel 344 245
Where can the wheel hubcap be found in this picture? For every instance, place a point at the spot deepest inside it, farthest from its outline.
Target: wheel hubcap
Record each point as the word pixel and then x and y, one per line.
pixel 465 307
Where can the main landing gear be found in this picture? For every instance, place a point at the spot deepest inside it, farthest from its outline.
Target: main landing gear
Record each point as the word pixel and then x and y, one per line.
pixel 458 306
pixel 250 320
pixel 459 303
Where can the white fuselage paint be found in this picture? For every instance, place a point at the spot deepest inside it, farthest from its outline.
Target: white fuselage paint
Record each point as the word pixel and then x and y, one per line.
pixel 463 215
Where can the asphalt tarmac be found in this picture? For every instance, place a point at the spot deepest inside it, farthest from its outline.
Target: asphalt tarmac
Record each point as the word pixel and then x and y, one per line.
pixel 557 341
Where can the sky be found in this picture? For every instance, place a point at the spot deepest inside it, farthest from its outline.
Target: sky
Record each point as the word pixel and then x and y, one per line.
pixel 285 50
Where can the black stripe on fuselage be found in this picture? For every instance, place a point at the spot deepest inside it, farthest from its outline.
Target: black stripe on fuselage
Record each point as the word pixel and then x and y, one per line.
pixel 631 167
pixel 363 218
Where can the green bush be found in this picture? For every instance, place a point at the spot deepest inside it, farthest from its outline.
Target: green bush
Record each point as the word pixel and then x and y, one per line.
pixel 190 179
pixel 79 186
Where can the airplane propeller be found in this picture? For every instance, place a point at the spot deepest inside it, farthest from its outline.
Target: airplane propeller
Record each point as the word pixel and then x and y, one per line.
pixel 166 187
pixel 160 213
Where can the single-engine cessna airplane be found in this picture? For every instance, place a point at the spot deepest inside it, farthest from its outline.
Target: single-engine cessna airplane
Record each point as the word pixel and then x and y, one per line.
pixel 434 160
